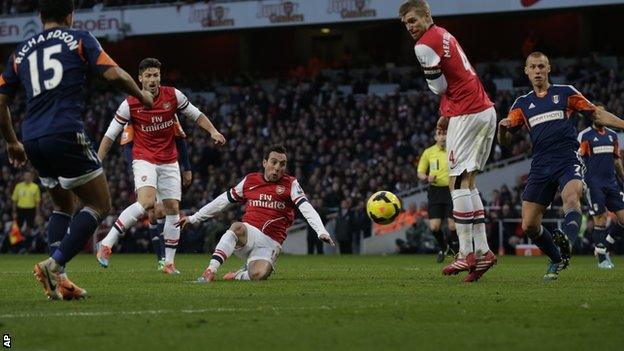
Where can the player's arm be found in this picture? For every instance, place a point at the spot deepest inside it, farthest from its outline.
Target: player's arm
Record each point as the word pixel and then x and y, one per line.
pixel 619 168
pixel 91 52
pixel 300 200
pixel 8 85
pixel 189 110
pixel 607 119
pixel 116 126
pixel 15 149
pixel 508 126
pixel 215 206
pixel 430 62
pixel 183 160
pixel 423 166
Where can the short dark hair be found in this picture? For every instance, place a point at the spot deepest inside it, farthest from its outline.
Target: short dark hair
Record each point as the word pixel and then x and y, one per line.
pixel 55 10
pixel 149 62
pixel 280 149
pixel 420 6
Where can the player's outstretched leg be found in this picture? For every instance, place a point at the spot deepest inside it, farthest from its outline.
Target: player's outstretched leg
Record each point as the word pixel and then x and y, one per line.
pixel 544 240
pixel 485 257
pixel 599 236
pixel 224 249
pixel 171 235
pixel 126 219
pixel 463 216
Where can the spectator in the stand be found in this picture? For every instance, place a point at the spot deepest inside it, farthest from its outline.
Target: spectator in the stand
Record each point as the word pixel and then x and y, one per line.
pixel 344 227
pixel 418 239
pixel 314 244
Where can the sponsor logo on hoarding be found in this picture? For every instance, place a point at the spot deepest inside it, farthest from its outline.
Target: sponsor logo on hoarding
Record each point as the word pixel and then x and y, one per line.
pixel 282 12
pixel 212 16
pixel 351 8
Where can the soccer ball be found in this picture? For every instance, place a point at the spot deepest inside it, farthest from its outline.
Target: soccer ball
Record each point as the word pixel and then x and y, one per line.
pixel 383 207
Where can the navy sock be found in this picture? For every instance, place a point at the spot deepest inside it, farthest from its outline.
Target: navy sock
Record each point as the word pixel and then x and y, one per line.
pixel 161 229
pixel 56 230
pixel 161 253
pixel 440 239
pixel 82 227
pixel 154 234
pixel 616 230
pixel 599 236
pixel 545 242
pixel 572 224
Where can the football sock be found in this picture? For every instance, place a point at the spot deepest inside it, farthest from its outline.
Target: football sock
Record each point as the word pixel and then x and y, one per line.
pixel 224 249
pixel 243 275
pixel 155 235
pixel 57 228
pixel 572 224
pixel 126 219
pixel 454 241
pixel 463 215
pixel 616 231
pixel 545 242
pixel 172 236
pixel 161 228
pixel 478 230
pixel 81 228
pixel 600 242
pixel 437 234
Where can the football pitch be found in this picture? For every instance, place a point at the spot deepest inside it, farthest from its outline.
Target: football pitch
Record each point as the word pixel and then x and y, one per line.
pixel 317 303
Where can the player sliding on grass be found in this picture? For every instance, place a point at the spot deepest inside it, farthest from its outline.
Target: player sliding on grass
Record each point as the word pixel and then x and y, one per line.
pixel 271 198
pixel 546 112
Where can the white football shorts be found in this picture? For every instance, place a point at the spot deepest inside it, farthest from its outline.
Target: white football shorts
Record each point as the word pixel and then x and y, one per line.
pixel 164 178
pixel 259 247
pixel 469 140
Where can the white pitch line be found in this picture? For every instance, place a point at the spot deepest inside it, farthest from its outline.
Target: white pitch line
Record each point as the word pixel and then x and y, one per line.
pixel 157 312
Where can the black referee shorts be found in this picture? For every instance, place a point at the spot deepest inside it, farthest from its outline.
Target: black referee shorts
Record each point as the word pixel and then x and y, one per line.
pixel 440 202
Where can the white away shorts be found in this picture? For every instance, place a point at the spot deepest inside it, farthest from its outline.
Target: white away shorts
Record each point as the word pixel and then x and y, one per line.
pixel 164 178
pixel 259 247
pixel 469 139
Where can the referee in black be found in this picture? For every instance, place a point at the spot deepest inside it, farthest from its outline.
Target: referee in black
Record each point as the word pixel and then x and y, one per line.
pixel 433 169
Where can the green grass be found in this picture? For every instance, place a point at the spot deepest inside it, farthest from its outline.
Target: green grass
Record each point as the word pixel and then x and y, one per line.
pixel 317 303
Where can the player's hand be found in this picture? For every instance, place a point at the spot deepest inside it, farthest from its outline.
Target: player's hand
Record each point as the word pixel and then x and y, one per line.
pixel 187 179
pixel 431 178
pixel 443 124
pixel 327 239
pixel 184 220
pixel 17 155
pixel 218 138
pixel 504 124
pixel 147 99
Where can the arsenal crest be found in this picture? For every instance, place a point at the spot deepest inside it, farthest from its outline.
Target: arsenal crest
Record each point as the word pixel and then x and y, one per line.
pixel 167 105
pixel 555 99
pixel 280 190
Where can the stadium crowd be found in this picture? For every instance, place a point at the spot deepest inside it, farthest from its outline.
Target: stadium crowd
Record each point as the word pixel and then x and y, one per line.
pixel 341 146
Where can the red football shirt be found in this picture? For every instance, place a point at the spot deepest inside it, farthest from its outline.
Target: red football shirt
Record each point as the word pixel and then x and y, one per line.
pixel 270 205
pixel 438 51
pixel 155 128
